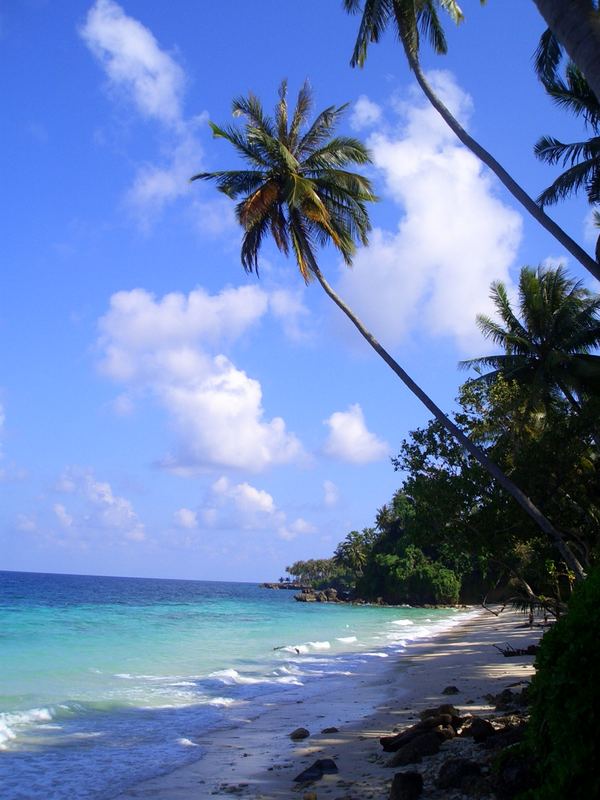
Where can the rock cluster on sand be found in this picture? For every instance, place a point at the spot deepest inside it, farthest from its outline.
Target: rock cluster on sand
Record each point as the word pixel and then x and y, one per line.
pixel 457 751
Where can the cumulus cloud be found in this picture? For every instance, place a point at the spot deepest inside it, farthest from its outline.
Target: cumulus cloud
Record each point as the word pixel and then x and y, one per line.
pixel 365 113
pixel 454 236
pixel 349 440
pixel 167 347
pixel 244 507
pixel 95 510
pixel 134 62
pixel 144 75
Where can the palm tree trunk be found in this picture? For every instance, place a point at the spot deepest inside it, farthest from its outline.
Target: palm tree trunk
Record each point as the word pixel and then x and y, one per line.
pixel 513 187
pixel 521 498
pixel 576 25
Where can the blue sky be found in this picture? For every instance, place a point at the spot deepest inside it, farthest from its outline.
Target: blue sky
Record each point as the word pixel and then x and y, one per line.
pixel 163 414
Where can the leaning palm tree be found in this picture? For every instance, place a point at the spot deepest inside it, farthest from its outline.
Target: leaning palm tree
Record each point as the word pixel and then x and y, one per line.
pixel 411 19
pixel 298 189
pixel 547 346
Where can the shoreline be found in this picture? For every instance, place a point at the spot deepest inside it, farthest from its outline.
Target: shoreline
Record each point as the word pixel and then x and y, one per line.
pixel 256 758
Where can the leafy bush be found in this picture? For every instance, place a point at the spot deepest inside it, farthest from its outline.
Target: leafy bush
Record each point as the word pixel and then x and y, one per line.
pixel 412 578
pixel 566 698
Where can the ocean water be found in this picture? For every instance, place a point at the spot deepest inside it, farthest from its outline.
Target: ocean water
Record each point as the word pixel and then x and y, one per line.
pixel 105 682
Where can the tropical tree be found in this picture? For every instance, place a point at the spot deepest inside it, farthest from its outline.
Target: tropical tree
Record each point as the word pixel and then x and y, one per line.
pixel 299 190
pixel 582 158
pixel 575 24
pixel 353 552
pixel 547 347
pixel 410 19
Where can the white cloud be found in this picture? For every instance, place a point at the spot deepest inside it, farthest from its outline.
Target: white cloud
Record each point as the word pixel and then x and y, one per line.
pixel 214 217
pixel 349 440
pixel 134 62
pixel 145 75
pixel 331 494
pixel 554 262
pixel 454 236
pixel 96 510
pixel 244 507
pixel 365 113
pixel 166 347
pixel 289 309
pixel 186 518
pixel 299 527
pixel 65 519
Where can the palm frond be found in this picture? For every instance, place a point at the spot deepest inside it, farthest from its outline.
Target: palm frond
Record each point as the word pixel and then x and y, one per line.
pixel 303 106
pixel 281 113
pixel 233 182
pixel 547 57
pixel 251 108
pixel 375 17
pixel 582 175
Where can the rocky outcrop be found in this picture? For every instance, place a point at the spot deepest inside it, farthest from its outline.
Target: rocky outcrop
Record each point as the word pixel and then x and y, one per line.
pixel 308 595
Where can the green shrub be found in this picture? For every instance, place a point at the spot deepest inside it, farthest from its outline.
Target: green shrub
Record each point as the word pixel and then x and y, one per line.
pixel 411 578
pixel 565 696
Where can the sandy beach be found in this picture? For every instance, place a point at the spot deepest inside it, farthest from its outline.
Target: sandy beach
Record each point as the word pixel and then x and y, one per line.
pixel 257 758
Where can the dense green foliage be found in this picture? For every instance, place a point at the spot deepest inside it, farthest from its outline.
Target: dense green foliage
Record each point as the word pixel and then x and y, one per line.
pixel 565 699
pixel 450 533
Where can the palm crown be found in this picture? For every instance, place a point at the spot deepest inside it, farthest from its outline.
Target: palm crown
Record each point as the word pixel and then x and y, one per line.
pixel 297 189
pixel 549 347
pixel 411 18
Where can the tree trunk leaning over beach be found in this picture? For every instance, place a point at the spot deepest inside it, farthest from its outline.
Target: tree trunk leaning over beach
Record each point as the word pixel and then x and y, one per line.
pixel 576 25
pixel 409 15
pixel 299 191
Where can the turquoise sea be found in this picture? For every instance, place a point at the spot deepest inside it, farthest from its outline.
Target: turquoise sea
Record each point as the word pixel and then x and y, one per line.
pixel 105 682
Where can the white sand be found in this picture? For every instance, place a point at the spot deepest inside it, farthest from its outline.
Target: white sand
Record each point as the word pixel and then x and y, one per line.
pixel 257 759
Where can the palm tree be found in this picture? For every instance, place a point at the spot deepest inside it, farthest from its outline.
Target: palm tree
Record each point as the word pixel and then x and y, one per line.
pixel 299 191
pixel 411 18
pixel 548 347
pixel 576 26
pixel 582 158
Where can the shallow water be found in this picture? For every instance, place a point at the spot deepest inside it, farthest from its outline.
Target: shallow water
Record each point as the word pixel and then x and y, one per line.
pixel 108 681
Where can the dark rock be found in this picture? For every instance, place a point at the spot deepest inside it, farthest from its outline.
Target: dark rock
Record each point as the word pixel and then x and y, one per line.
pixel 451 690
pixel 514 774
pixel 426 744
pixel 322 766
pixel 321 597
pixel 445 732
pixel 330 730
pixel 480 729
pixel 406 786
pixel 306 597
pixel 445 708
pixel 392 743
pixel 454 771
pixel 299 733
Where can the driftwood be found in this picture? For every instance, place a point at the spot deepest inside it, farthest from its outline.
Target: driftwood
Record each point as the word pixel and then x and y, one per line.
pixel 508 651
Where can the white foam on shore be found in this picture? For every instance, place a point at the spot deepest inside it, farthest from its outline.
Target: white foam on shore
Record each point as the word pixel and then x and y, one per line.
pixel 11 722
